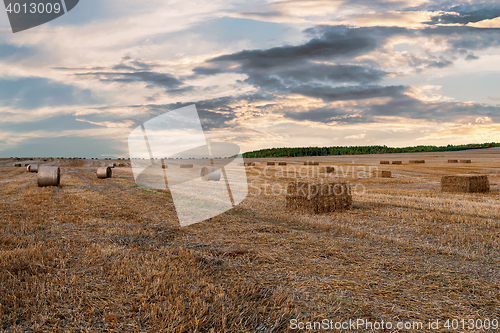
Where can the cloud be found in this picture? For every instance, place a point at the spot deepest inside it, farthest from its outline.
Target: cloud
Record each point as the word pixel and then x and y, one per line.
pixel 461 15
pixel 329 94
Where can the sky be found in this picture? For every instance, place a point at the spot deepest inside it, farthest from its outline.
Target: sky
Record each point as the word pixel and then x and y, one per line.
pixel 261 73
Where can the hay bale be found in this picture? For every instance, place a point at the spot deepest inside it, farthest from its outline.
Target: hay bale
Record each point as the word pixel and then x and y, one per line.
pixel 316 198
pixel 17 165
pixel 327 169
pixel 271 163
pixel 210 174
pixel 397 162
pixel 49 175
pixel 186 166
pixel 417 161
pixel 465 161
pixel 32 168
pixel 382 174
pixel 452 161
pixel 250 163
pixel 465 183
pixel 311 163
pixel 281 163
pixel 385 162
pixel 104 172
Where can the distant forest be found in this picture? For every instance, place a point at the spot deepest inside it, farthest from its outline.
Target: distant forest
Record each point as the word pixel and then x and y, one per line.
pixel 359 150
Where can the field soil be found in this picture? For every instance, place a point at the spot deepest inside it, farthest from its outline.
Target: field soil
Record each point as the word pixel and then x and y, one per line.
pixel 106 255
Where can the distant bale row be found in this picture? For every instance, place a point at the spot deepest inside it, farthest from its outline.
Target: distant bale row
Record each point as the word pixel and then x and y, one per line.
pixel 316 198
pixel 465 183
pixel 416 161
pixel 311 163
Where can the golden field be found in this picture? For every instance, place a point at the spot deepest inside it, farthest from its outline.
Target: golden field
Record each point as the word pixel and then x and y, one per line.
pixel 96 255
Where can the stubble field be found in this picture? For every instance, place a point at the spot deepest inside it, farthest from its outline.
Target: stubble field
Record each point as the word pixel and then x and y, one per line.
pixel 99 255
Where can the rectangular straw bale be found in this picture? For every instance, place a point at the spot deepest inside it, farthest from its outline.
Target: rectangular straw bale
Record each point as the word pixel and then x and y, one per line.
pixel 311 163
pixel 385 162
pixel 382 174
pixel 465 183
pixel 327 169
pixel 316 198
pixel 250 163
pixel 417 161
pixel 271 163
pixel 465 161
pixel 397 162
pixel 186 166
pixel 281 163
pixel 452 161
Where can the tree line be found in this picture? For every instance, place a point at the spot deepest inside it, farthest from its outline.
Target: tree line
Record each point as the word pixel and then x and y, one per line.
pixel 358 150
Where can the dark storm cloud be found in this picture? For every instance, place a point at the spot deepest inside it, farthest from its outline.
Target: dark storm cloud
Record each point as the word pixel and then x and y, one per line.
pixel 461 38
pixel 466 15
pixel 402 106
pixel 412 108
pixel 333 42
pixel 329 94
pixel 156 79
pixel 336 73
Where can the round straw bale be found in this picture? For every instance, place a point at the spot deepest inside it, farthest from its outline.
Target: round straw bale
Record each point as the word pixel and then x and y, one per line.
pixel 210 173
pixel 104 172
pixel 32 168
pixel 49 175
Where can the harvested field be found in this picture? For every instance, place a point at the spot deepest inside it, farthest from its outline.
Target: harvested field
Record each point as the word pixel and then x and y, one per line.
pixel 109 256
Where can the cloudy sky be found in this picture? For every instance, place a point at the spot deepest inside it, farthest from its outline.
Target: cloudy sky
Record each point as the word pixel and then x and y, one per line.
pixel 262 73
